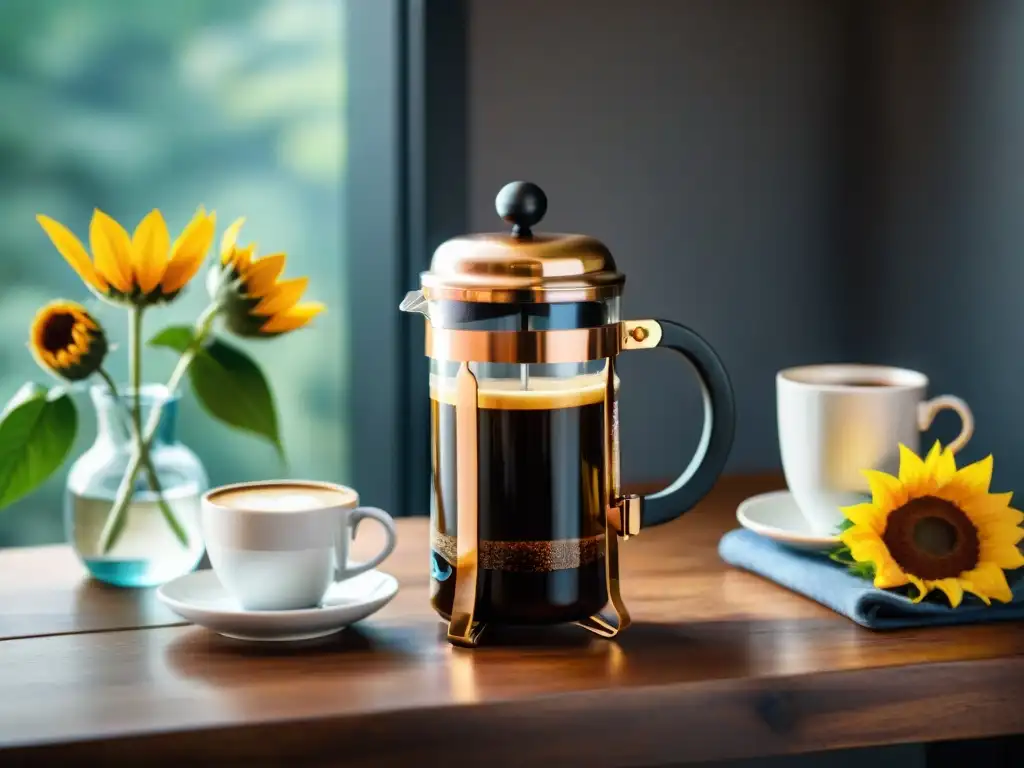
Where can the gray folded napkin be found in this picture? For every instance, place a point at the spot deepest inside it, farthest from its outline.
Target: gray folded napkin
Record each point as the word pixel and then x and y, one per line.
pixel 829 583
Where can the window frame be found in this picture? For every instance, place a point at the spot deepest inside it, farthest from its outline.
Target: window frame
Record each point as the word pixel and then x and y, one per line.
pixel 406 194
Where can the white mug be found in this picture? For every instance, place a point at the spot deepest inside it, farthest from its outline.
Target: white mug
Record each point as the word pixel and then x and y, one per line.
pixel 837 420
pixel 280 545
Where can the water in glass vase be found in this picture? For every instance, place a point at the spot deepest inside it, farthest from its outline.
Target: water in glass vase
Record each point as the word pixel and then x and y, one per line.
pixel 147 551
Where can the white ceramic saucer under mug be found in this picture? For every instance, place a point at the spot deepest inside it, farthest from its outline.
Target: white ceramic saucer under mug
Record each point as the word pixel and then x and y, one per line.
pixel 776 516
pixel 199 598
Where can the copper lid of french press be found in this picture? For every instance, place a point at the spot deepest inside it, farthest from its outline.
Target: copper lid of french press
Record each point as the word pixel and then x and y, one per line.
pixel 522 265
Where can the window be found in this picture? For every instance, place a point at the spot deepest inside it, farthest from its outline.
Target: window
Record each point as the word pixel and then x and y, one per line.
pixel 243 106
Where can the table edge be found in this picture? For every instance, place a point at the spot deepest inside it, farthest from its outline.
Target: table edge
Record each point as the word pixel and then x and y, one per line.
pixel 736 718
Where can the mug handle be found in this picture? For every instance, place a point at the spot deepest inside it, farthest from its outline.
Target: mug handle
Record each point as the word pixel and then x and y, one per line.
pixel 719 417
pixel 351 522
pixel 927 411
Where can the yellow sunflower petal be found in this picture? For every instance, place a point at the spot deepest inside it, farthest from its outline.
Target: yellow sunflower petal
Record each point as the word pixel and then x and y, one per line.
pixel 940 465
pixel 1011 516
pixel 867 552
pixel 992 502
pixel 867 547
pixel 150 246
pixel 945 467
pixel 1005 554
pixel 975 478
pixel 913 472
pixel 242 258
pixel 987 581
pixel 867 516
pixel 86 319
pixel 888 573
pixel 292 319
pixel 74 253
pixel 263 273
pixel 951 587
pixel 887 492
pixel 923 587
pixel 1000 531
pixel 229 238
pixel 890 579
pixel 112 250
pixel 281 297
pixel 992 509
pixel 858 536
pixel 188 252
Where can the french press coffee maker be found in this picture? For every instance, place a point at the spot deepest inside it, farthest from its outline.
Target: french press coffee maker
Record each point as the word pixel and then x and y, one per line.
pixel 523 331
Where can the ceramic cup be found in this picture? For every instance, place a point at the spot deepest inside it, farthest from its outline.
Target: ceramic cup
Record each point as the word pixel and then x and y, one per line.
pixel 279 545
pixel 837 420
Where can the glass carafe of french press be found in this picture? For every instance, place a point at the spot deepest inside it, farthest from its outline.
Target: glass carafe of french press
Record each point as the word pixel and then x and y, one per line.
pixel 522 332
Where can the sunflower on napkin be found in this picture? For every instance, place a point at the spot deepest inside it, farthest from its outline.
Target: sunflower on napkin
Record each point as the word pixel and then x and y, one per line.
pixel 935 527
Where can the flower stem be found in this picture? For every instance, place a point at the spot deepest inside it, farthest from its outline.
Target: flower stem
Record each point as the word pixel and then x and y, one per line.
pixel 147 464
pixel 111 385
pixel 135 365
pixel 117 517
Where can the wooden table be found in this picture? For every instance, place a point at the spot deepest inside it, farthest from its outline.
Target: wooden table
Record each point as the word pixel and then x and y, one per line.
pixel 719 664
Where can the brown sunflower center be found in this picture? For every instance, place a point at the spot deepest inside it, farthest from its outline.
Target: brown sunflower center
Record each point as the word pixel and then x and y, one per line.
pixel 931 538
pixel 935 536
pixel 57 332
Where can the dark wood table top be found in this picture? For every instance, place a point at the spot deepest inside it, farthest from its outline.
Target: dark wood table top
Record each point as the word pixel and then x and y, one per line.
pixel 45 591
pixel 718 664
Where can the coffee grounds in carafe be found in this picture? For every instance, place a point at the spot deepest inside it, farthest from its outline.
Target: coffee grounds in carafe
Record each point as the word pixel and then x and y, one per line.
pixel 541 493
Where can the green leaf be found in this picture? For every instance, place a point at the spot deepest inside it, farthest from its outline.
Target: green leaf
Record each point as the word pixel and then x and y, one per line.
pixel 37 430
pixel 227 383
pixel 846 525
pixel 176 337
pixel 864 570
pixel 842 555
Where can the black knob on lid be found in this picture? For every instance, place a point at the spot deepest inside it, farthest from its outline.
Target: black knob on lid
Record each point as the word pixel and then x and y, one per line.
pixel 522 204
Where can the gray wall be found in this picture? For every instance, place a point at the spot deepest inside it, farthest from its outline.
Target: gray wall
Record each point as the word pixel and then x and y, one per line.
pixel 944 234
pixel 700 141
pixel 798 180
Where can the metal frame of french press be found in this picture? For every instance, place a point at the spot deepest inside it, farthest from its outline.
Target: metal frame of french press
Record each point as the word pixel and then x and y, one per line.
pixel 623 513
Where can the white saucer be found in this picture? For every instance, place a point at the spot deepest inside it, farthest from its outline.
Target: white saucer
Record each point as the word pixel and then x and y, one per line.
pixel 776 516
pixel 199 597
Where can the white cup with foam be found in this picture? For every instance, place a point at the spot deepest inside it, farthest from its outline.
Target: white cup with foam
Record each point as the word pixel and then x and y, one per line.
pixel 279 545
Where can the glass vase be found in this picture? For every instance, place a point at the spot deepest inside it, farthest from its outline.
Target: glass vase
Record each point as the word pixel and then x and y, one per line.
pixel 147 551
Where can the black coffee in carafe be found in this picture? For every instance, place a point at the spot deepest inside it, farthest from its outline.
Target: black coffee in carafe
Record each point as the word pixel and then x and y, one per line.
pixel 542 499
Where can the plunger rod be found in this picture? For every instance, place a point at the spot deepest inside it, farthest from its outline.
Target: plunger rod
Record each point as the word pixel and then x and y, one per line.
pixel 524 369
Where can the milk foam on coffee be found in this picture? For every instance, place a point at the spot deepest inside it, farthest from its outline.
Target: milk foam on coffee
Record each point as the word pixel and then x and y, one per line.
pixel 281 498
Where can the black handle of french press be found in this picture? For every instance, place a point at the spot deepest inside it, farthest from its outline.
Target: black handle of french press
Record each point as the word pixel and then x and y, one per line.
pixel 522 204
pixel 716 438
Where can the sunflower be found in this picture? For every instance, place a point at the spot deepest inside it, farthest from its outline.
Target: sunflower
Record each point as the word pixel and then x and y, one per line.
pixel 66 340
pixel 256 301
pixel 937 527
pixel 139 270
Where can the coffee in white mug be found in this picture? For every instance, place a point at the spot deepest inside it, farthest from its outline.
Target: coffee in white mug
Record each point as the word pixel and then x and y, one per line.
pixel 279 545
pixel 281 496
pixel 837 420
